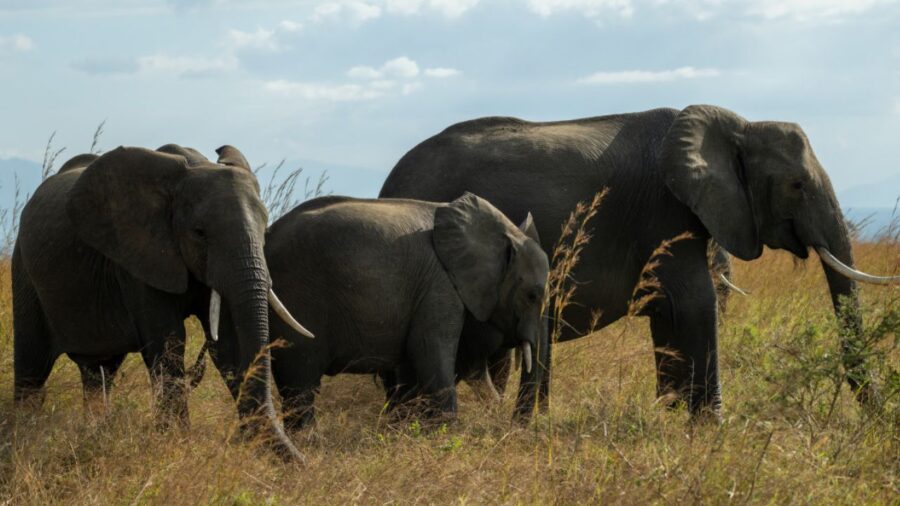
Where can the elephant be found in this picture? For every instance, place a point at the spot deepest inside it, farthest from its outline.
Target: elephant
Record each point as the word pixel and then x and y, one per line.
pixel 703 170
pixel 388 285
pixel 115 251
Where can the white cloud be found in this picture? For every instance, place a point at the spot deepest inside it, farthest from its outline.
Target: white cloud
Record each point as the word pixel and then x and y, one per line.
pixel 395 77
pixel 452 8
pixel 364 72
pixel 804 10
pixel 798 10
pixel 16 42
pixel 290 26
pixel 354 12
pixel 587 8
pixel 322 92
pixel 401 67
pixel 647 76
pixel 441 72
pixel 403 7
pixel 410 88
pixel 261 39
pixel 186 66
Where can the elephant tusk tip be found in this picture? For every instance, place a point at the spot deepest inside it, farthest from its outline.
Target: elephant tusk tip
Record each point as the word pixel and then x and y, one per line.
pixel 727 282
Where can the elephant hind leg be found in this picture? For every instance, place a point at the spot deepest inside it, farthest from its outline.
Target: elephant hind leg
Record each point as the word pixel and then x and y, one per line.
pixel 32 348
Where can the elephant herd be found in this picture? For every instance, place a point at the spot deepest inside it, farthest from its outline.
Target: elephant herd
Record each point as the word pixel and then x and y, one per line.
pixel 433 282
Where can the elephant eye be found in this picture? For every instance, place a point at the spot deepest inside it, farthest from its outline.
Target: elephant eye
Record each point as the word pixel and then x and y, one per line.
pixel 199 233
pixel 797 185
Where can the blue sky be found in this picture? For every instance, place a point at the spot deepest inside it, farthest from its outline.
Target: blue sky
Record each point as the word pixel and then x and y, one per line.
pixel 359 82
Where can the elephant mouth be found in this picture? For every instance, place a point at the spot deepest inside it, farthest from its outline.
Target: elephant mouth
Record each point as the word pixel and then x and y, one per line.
pixel 787 237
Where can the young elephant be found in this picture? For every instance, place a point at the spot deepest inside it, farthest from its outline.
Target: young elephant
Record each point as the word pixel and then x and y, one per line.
pixel 388 283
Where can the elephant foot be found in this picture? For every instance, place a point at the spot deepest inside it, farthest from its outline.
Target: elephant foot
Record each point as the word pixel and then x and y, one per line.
pixel 707 416
pixel 670 400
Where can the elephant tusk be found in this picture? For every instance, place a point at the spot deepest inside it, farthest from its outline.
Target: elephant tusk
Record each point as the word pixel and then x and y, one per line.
pixel 285 315
pixel 489 383
pixel 526 357
pixel 215 305
pixel 484 387
pixel 731 285
pixel 517 359
pixel 852 273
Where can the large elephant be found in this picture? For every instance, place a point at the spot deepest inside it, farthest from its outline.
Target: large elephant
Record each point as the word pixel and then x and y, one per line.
pixel 115 251
pixel 388 285
pixel 704 170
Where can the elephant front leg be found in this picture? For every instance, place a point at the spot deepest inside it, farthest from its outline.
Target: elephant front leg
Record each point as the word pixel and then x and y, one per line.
pixel 431 347
pixel 686 351
pixel 165 361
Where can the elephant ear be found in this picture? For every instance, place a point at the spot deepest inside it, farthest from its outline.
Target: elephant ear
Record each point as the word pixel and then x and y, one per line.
pixel 471 242
pixel 192 156
pixel 231 156
pixel 121 206
pixel 527 227
pixel 701 164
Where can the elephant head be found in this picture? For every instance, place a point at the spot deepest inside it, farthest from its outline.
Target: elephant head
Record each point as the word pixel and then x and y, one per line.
pixel 166 216
pixel 498 269
pixel 755 184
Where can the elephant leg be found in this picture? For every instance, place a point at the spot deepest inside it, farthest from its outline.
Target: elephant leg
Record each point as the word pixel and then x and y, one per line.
pixel 164 359
pixel 224 354
pixel 32 350
pixel 432 346
pixel 298 407
pixel 400 386
pixel 96 381
pixel 685 346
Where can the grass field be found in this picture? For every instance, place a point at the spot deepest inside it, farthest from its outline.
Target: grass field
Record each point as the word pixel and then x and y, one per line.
pixel 792 432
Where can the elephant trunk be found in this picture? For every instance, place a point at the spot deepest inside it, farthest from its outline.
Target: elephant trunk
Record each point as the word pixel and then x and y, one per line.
pixel 248 298
pixel 535 380
pixel 845 300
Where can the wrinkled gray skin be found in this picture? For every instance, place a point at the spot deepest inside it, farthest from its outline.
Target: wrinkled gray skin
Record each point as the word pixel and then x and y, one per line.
pixel 388 284
pixel 704 170
pixel 115 251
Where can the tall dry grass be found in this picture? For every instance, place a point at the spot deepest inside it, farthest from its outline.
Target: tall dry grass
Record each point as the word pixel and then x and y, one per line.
pixel 792 432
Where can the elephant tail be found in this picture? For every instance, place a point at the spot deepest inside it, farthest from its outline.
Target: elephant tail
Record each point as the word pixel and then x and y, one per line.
pixel 196 372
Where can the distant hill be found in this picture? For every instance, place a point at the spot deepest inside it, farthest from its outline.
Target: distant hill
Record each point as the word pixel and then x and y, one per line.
pixel 872 204
pixel 880 194
pixel 29 176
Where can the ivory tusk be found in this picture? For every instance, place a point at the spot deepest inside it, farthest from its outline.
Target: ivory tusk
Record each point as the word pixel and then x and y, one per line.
pixel 486 390
pixel 526 356
pixel 489 384
pixel 285 315
pixel 852 273
pixel 215 305
pixel 731 285
pixel 517 357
